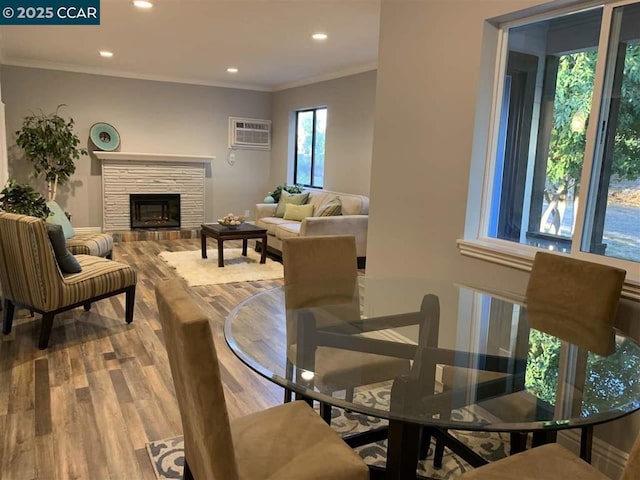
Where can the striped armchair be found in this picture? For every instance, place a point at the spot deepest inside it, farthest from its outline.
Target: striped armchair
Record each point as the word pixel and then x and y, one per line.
pixel 96 244
pixel 30 276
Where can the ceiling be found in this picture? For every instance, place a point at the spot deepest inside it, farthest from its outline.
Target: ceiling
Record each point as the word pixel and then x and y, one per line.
pixel 194 41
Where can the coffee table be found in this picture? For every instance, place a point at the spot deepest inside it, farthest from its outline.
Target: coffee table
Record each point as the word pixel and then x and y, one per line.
pixel 242 232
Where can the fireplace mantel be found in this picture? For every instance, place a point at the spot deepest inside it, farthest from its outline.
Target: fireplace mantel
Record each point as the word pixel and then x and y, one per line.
pixel 153 157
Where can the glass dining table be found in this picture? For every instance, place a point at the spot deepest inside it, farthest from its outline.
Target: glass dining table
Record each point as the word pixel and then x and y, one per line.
pixel 473 362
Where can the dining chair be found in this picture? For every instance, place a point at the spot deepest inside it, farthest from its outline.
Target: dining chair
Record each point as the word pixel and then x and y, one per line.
pixel 322 272
pixel 550 462
pixel 574 300
pixel 286 442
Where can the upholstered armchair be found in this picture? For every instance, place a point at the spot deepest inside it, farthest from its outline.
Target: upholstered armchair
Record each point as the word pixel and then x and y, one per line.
pixel 96 244
pixel 285 442
pixel 321 271
pixel 31 278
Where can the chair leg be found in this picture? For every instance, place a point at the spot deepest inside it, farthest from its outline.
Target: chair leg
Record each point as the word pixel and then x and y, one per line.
pixel 45 330
pixel 348 395
pixel 87 306
pixel 518 442
pixel 438 454
pixel 7 318
pixel 425 443
pixel 325 412
pixel 187 471
pixel 130 303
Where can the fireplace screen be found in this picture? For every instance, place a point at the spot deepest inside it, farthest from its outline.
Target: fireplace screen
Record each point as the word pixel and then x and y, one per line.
pixel 155 210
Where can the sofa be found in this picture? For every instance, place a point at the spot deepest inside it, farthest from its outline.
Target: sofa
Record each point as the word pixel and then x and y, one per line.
pixel 353 221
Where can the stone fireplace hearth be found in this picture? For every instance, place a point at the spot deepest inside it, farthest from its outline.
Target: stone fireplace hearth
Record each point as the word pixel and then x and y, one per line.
pixel 124 174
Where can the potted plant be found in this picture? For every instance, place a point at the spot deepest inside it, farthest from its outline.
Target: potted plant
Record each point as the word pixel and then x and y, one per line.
pixel 51 145
pixel 288 188
pixel 23 199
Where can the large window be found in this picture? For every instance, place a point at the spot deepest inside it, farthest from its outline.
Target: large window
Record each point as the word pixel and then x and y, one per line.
pixel 564 163
pixel 311 125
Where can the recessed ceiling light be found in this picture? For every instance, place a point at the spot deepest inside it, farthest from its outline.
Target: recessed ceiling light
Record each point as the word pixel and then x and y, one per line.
pixel 319 36
pixel 105 53
pixel 232 70
pixel 142 4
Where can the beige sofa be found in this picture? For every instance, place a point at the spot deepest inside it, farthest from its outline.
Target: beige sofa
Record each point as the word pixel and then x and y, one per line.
pixel 353 221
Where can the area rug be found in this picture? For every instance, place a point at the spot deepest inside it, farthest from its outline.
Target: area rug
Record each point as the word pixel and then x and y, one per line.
pixel 167 456
pixel 205 271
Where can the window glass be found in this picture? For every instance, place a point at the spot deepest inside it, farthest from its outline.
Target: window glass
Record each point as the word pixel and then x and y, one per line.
pixel 310 140
pixel 612 223
pixel 546 104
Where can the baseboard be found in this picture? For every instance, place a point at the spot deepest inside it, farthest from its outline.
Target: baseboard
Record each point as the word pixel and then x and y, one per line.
pixel 606 458
pixel 87 229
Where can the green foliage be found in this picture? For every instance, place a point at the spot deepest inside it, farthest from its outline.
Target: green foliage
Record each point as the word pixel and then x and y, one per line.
pixel 288 188
pixel 23 199
pixel 572 109
pixel 50 144
pixel 541 377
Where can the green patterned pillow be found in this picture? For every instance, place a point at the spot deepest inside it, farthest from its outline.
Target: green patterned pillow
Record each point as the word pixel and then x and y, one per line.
pixel 330 208
pixel 286 197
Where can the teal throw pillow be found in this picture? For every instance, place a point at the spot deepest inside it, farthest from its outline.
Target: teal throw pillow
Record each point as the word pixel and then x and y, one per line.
pixel 58 217
pixel 66 261
pixel 286 197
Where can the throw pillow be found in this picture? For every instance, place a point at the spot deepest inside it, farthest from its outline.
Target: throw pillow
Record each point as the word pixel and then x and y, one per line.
pixel 286 197
pixel 66 261
pixel 58 217
pixel 297 212
pixel 330 208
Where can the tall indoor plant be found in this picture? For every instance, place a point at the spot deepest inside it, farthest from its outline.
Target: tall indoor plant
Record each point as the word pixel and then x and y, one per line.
pixel 51 145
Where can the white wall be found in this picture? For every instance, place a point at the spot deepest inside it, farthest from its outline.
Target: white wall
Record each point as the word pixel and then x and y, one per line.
pixel 431 64
pixel 4 164
pixel 350 103
pixel 154 117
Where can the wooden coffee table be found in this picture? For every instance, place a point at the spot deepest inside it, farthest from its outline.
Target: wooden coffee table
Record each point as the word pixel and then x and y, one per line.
pixel 242 232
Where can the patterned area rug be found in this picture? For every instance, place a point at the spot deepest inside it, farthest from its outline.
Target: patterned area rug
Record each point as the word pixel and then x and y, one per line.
pixel 167 456
pixel 205 271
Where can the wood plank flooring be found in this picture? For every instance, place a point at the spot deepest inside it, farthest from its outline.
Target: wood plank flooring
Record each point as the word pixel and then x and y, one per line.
pixel 85 407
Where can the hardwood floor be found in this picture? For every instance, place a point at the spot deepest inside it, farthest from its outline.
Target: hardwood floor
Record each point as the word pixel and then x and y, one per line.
pixel 85 407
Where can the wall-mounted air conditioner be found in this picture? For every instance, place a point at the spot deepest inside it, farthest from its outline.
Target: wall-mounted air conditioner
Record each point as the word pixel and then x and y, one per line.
pixel 249 133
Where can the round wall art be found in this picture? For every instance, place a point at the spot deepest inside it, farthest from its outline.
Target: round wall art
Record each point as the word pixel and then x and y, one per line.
pixel 104 137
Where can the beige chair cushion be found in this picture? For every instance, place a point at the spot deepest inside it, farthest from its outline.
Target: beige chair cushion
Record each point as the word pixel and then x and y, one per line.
pixel 574 300
pixel 291 442
pixel 547 462
pixel 322 272
pixel 286 442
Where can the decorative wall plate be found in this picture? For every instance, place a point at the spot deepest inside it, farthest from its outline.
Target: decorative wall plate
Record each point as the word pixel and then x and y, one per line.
pixel 104 137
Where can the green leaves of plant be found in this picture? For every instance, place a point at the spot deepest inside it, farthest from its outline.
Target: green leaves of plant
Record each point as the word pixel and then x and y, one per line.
pixel 23 199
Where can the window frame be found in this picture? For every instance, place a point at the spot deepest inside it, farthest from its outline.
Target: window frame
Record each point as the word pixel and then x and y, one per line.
pixel 476 242
pixel 313 147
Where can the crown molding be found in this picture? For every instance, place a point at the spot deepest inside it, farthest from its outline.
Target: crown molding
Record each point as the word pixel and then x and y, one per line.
pixel 65 67
pixel 15 62
pixel 367 67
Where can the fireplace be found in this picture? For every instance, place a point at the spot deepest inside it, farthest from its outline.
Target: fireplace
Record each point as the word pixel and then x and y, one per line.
pixel 155 210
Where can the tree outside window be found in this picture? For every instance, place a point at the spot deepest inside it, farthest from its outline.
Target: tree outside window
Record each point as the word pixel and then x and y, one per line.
pixel 539 187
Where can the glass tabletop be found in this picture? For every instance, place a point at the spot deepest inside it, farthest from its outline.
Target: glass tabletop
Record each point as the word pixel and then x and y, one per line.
pixel 433 353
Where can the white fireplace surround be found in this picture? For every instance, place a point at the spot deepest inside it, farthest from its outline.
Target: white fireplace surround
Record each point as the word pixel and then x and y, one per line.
pixel 126 173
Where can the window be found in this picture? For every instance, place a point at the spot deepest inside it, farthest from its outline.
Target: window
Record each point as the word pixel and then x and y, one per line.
pixel 311 125
pixel 563 172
